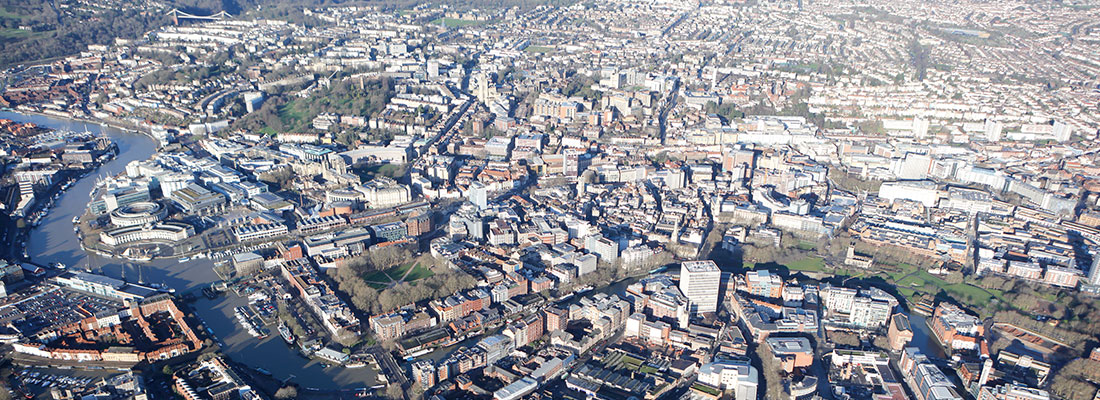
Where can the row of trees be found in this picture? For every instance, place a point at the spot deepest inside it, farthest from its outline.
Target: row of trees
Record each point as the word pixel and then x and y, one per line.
pixel 1071 337
pixel 769 369
pixel 853 340
pixel 1073 381
pixel 1077 315
pixel 919 58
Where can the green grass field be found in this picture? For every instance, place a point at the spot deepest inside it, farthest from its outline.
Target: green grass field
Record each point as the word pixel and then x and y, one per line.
pixel 808 264
pixel 377 276
pixel 395 274
pixel 976 294
pixel 290 115
pixel 707 389
pixel 10 33
pixel 418 272
pixel 913 285
pixel 911 281
pixel 538 49
pixel 457 23
pixel 631 362
pixel 388 170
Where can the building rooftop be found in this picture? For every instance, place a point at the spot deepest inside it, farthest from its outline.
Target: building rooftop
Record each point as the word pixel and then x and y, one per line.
pixel 700 266
pixel 784 345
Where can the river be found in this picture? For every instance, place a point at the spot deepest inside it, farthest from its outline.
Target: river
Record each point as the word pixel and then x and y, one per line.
pixel 54 241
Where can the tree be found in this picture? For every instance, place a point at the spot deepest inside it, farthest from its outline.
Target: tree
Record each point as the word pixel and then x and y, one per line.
pixel 394 392
pixel 70 35
pixel 349 96
pixel 287 392
pixel 727 110
pixel 660 259
pixel 349 279
pixel 770 371
pixel 919 58
pixel 954 277
pixel 1072 388
pixel 881 342
pixel 280 177
pixel 416 392
pixel 844 338
pixel 872 127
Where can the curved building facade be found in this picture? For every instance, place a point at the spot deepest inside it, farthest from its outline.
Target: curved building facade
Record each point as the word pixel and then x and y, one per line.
pixel 163 232
pixel 140 213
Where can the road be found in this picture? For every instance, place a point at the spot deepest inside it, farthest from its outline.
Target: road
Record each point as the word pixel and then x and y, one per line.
pixel 662 118
pixel 391 369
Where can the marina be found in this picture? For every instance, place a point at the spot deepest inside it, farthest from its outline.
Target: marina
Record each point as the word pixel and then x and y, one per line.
pixel 250 323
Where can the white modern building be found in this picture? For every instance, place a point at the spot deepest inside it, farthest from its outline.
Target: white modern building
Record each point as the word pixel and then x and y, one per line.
pixel 699 282
pixel 740 378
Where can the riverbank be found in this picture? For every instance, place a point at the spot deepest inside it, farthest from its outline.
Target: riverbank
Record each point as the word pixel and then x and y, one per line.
pixel 54 241
pixel 16 230
pixel 115 124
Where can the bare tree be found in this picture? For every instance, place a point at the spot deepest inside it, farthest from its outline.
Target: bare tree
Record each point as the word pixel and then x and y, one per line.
pixel 287 392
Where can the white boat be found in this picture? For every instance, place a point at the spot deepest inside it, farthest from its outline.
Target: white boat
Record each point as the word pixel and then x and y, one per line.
pixel 136 255
pixel 244 317
pixel 285 332
pixel 184 259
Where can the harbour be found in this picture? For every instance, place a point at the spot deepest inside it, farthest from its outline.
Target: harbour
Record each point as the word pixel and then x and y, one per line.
pixel 54 241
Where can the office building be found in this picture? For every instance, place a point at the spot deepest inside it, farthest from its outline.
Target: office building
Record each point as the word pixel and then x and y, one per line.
pixel 478 194
pixel 740 378
pixel 699 281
